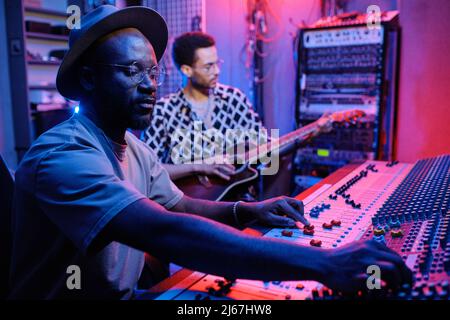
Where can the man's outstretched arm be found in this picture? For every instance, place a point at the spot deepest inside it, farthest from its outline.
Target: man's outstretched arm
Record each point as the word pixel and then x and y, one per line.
pixel 204 245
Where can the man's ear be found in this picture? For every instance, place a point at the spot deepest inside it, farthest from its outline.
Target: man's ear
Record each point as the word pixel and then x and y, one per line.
pixel 86 75
pixel 186 70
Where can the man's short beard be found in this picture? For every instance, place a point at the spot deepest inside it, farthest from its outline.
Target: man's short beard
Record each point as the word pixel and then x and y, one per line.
pixel 200 86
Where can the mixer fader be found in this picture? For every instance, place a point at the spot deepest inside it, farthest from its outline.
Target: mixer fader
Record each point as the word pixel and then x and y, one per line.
pixel 405 206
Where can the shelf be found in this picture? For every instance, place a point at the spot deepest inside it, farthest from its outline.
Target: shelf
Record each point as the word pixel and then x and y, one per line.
pixel 45 107
pixel 42 87
pixel 43 63
pixel 46 36
pixel 46 12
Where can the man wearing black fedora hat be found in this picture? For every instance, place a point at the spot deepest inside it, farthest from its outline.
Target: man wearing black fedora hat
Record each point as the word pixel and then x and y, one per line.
pixel 91 197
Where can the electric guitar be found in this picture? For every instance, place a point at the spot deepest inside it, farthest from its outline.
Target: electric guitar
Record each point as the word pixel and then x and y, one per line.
pixel 216 189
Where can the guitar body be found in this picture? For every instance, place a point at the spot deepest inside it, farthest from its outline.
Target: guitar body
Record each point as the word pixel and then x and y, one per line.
pixel 214 188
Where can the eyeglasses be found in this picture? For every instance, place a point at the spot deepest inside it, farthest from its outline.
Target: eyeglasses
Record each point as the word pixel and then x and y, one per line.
pixel 137 72
pixel 208 68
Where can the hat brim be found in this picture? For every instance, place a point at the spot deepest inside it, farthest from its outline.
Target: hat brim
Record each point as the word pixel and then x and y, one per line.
pixel 146 20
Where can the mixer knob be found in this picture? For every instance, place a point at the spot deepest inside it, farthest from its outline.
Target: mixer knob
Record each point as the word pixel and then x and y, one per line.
pixel 212 291
pixel 299 286
pixel 406 287
pixel 219 282
pixel 336 223
pixel 286 233
pixel 327 226
pixel 426 238
pixel 315 294
pixel 446 261
pixel 394 223
pixel 423 263
pixel 314 214
pixel 397 233
pixel 444 292
pixel 426 249
pixel 416 295
pixel 380 239
pixel 443 241
pixel 432 287
pixel 327 294
pixel 406 216
pixel 428 294
pixel 315 243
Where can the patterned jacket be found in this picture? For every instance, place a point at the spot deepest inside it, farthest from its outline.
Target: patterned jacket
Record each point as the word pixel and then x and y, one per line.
pixel 173 120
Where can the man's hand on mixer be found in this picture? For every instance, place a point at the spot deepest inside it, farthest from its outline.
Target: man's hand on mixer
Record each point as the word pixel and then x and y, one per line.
pixel 279 212
pixel 347 268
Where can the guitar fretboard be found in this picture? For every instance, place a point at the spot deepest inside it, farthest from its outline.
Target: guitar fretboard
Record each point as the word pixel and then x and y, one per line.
pixel 274 145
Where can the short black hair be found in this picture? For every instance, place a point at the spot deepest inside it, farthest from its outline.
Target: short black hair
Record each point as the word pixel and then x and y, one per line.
pixel 184 46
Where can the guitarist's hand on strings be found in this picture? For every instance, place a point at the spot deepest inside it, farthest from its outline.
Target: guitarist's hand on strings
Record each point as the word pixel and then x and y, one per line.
pixel 279 212
pixel 325 123
pixel 224 170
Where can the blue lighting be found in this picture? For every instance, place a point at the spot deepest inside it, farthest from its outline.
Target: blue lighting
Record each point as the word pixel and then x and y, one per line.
pixel 77 108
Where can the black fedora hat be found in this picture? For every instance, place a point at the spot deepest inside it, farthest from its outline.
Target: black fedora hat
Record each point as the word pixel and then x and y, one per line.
pixel 100 22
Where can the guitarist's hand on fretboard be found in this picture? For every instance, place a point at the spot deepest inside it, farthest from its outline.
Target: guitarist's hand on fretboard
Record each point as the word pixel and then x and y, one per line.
pixel 325 123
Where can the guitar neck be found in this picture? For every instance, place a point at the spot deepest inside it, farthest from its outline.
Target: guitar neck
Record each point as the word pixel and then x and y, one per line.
pixel 276 144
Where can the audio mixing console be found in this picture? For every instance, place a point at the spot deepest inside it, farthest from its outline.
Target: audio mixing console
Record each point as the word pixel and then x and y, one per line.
pixel 405 206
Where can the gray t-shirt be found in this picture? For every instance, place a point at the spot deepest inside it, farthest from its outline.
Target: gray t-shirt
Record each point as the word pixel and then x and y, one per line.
pixel 69 185
pixel 203 109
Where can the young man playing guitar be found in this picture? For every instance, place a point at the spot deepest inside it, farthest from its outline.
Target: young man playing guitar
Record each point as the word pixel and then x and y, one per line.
pixel 204 105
